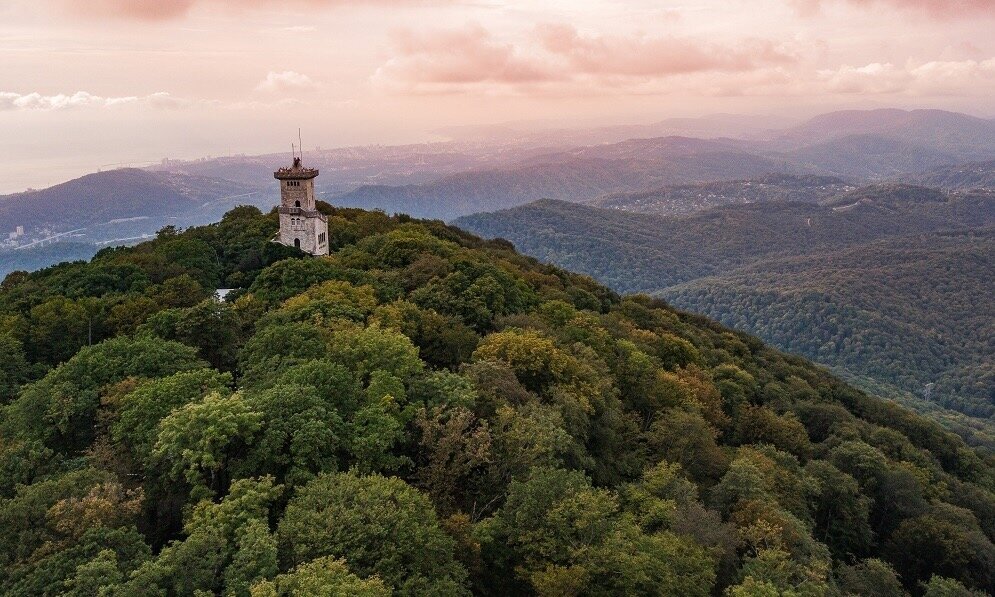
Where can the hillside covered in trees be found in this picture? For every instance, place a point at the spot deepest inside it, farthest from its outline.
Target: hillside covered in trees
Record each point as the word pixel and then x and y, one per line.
pixel 850 307
pixel 427 413
pixel 687 199
pixel 890 283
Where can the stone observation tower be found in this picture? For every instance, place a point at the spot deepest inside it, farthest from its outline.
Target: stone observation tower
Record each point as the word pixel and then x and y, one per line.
pixel 301 225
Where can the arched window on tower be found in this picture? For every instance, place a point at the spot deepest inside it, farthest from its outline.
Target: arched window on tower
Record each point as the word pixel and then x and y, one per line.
pixel 297 243
pixel 297 203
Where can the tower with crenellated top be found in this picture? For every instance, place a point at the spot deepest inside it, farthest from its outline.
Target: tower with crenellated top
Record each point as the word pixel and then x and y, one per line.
pixel 301 224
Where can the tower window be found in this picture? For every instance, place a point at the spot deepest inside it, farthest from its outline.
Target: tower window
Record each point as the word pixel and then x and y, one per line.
pixel 297 203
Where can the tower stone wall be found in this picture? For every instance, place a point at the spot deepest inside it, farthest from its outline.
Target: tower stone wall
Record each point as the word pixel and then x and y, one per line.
pixel 301 224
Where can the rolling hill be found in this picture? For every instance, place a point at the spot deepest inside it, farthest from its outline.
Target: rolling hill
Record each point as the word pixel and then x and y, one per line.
pixel 423 412
pixel 643 252
pixel 856 146
pixel 119 195
pixel 577 174
pixel 965 137
pixel 931 294
pixel 686 199
pixel 972 175
pixel 815 278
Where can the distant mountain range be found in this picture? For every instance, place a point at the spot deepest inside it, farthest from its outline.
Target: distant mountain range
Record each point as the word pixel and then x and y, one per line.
pixel 973 175
pixel 857 146
pixel 959 135
pixel 891 284
pixel 664 175
pixel 100 203
pixel 577 174
pixel 686 199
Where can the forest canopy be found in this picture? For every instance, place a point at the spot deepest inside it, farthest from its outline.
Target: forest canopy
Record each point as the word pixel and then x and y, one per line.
pixel 426 413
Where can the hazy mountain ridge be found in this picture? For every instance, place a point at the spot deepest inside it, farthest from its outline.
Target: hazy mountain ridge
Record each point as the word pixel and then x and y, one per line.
pixel 578 174
pixel 686 199
pixel 671 250
pixel 121 194
pixel 855 146
pixel 972 175
pixel 952 132
pixel 451 179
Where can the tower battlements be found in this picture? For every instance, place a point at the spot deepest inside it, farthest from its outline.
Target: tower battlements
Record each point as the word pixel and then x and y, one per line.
pixel 296 172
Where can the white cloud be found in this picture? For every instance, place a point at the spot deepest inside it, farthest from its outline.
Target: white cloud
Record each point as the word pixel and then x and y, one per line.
pixel 287 80
pixel 83 99
pixel 935 78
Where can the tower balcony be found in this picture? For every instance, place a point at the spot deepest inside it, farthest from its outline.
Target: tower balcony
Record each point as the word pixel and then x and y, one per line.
pixel 301 212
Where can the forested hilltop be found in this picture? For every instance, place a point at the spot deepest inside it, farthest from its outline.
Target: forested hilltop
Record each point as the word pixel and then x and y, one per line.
pixel 427 413
pixel 891 284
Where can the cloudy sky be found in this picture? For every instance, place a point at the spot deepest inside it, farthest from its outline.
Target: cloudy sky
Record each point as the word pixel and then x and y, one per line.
pixel 86 84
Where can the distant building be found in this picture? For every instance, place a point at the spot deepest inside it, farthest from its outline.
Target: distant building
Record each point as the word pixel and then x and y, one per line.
pixel 301 224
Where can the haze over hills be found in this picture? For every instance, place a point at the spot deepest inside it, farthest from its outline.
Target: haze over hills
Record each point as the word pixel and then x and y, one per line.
pixel 685 199
pixel 116 196
pixel 635 252
pixel 737 126
pixel 853 145
pixel 577 174
pixel 963 136
pixel 451 179
pixel 889 283
pixel 972 175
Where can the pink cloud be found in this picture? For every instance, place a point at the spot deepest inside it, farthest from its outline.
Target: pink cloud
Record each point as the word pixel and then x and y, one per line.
pixel 161 10
pixel 82 99
pixel 929 78
pixel 938 9
pixel 558 54
pixel 460 56
pixel 642 56
pixel 288 80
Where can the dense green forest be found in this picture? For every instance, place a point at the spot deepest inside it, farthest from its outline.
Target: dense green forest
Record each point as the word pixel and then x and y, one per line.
pixel 927 297
pixel 635 252
pixel 427 413
pixel 889 283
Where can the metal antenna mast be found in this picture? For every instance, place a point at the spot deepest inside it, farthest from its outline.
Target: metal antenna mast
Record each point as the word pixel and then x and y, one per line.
pixel 300 143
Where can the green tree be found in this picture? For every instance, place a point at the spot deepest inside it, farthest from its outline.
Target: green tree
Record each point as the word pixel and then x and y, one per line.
pixel 227 547
pixel 321 577
pixel 139 412
pixel 61 408
pixel 197 441
pixel 872 578
pixel 299 435
pixel 278 347
pixel 366 350
pixel 14 369
pixel 380 525
pixel 58 327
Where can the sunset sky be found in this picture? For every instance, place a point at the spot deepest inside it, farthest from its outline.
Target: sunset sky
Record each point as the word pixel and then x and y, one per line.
pixel 83 84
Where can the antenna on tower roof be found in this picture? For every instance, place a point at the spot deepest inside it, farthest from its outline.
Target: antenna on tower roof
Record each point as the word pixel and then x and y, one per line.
pixel 300 143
